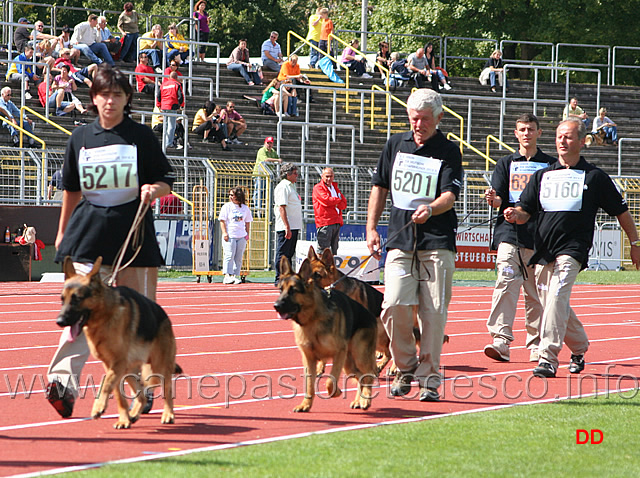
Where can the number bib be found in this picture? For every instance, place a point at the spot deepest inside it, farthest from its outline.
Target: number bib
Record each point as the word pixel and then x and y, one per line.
pixel 415 180
pixel 519 175
pixel 109 174
pixel 562 190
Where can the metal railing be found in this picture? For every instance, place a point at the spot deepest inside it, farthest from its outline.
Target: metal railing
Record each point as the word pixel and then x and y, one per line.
pixel 193 53
pixel 502 144
pixel 614 65
pixel 464 144
pixel 457 57
pixel 528 62
pixel 582 45
pixel 620 143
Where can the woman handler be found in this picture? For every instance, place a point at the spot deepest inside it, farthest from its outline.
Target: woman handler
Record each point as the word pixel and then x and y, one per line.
pixel 110 166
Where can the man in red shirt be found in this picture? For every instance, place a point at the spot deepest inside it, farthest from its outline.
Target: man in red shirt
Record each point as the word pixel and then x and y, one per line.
pixel 146 84
pixel 170 100
pixel 328 204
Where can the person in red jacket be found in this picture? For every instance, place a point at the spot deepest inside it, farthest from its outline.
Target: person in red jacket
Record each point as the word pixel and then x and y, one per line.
pixel 328 204
pixel 170 100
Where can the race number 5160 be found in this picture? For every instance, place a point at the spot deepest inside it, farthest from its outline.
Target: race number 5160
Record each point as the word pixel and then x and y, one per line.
pixel 413 183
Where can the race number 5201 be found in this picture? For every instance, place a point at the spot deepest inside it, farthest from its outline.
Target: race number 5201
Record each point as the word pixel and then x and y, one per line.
pixel 106 176
pixel 412 182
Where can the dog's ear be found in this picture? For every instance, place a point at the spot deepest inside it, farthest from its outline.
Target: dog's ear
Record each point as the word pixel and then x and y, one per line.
pixel 285 266
pixel 327 257
pixel 312 253
pixel 68 269
pixel 96 267
pixel 305 270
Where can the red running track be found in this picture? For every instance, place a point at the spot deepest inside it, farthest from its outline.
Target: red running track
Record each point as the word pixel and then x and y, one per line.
pixel 245 375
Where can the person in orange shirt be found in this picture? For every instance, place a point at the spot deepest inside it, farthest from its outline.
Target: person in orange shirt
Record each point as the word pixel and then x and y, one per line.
pixel 290 73
pixel 327 28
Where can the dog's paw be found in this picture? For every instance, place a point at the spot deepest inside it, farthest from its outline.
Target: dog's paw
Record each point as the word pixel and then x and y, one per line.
pixel 122 424
pixel 333 390
pixel 361 403
pixel 97 410
pixel 305 406
pixel 167 417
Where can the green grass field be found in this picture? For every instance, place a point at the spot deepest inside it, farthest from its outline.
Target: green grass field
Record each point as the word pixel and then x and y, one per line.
pixel 527 440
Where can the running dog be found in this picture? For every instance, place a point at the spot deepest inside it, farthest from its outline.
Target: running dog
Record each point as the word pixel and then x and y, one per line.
pixel 328 325
pixel 325 273
pixel 126 331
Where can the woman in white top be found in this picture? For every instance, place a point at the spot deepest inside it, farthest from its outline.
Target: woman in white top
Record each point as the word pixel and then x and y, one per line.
pixel 235 218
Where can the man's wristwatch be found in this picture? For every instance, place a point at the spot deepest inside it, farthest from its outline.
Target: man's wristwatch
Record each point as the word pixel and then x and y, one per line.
pixel 635 243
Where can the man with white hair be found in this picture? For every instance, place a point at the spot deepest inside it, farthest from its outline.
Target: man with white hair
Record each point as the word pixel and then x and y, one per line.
pixel 11 111
pixel 106 37
pixel 423 172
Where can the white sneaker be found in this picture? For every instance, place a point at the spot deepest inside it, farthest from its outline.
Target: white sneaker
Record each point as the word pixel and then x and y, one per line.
pixel 533 355
pixel 228 279
pixel 27 95
pixel 237 280
pixel 447 86
pixel 498 350
pixel 366 75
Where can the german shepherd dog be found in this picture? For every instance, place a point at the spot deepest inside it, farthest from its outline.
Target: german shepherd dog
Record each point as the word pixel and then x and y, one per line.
pixel 325 273
pixel 328 326
pixel 126 331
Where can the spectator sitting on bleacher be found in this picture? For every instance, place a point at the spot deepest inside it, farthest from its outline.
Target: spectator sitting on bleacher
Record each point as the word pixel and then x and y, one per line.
pixel 64 86
pixel 271 95
pixel 37 34
pixel 106 37
pixel 21 35
pixel 494 70
pixel 349 59
pixel 146 84
pixel 173 67
pixel 64 41
pixel 44 52
pixel 13 114
pixel 152 47
pixel 128 25
pixel 176 49
pixel 433 70
pixel 16 69
pixel 290 71
pixel 86 39
pixel 417 64
pixel 236 124
pixel 572 110
pixel 383 58
pixel 83 75
pixel 206 125
pixel 60 109
pixel 604 123
pixel 239 61
pixel 271 53
pixel 399 73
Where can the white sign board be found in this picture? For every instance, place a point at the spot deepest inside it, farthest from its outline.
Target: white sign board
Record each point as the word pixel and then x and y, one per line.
pixel 350 254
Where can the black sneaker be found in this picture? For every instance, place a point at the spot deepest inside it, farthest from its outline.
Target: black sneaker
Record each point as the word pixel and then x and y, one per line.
pixel 60 398
pixel 401 383
pixel 428 394
pixel 577 364
pixel 544 369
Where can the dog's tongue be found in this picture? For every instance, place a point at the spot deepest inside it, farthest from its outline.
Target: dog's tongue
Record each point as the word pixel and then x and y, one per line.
pixel 283 316
pixel 70 332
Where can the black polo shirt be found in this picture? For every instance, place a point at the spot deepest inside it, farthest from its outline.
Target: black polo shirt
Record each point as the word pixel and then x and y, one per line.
pixel 439 232
pixel 518 235
pixel 100 231
pixel 570 232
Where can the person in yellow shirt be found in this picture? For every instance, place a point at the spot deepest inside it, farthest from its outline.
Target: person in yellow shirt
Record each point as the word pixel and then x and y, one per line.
pixel 315 28
pixel 176 48
pixel 152 47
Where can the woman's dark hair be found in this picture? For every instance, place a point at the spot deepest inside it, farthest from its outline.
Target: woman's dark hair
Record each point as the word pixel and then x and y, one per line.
pixel 209 106
pixel 238 192
pixel 383 43
pixel 66 29
pixel 107 79
pixel 128 7
pixel 65 66
pixel 426 47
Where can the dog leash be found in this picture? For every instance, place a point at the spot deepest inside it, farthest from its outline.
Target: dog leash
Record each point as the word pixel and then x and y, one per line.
pixel 137 233
pixel 364 263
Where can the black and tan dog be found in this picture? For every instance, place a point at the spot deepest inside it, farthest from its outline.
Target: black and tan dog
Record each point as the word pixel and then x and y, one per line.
pixel 325 273
pixel 126 331
pixel 328 326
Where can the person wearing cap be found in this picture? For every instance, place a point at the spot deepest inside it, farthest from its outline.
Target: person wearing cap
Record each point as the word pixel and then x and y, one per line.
pixel 265 154
pixel 21 36
pixel 288 215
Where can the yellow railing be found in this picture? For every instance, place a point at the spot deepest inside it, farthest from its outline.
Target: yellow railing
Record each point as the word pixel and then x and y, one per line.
pixel 503 144
pixel 393 97
pixel 44 118
pixel 20 128
pixel 471 147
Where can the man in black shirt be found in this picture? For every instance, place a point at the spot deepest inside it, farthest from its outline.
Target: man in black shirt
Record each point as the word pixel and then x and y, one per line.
pixel 423 172
pixel 566 196
pixel 21 35
pixel 515 244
